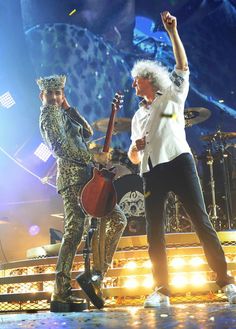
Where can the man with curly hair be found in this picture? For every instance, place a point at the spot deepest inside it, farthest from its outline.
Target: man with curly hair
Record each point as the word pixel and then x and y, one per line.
pixel 166 164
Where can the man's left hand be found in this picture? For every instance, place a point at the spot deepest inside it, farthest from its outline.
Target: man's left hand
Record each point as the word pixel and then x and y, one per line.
pixel 169 21
pixel 65 104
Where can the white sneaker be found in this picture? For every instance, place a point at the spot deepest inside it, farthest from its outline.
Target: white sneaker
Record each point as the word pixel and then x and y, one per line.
pixel 156 299
pixel 230 292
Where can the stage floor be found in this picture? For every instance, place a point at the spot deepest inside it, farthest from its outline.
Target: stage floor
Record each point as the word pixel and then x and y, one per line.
pixel 191 316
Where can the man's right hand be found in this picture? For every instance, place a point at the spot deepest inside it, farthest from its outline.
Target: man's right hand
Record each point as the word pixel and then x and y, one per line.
pixel 134 149
pixel 140 144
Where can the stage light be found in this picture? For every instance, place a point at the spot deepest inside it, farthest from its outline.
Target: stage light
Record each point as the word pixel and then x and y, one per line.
pixel 131 265
pixel 34 230
pixel 147 264
pixel 177 262
pixel 131 283
pixel 196 261
pixel 33 289
pixel 198 279
pixel 49 270
pixel 148 282
pixel 179 280
pixel 48 286
pixel 43 152
pixel 6 100
pixel 30 271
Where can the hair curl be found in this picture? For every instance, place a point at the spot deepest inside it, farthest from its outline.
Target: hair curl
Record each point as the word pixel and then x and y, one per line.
pixel 157 74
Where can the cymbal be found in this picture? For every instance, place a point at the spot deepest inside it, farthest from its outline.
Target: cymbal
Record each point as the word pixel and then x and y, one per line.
pixel 219 135
pixel 120 125
pixel 195 115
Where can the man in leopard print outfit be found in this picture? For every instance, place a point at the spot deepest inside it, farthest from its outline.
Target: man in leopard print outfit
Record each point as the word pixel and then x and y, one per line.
pixel 65 131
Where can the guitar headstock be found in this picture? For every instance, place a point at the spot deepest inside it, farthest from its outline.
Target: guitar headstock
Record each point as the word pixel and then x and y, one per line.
pixel 117 101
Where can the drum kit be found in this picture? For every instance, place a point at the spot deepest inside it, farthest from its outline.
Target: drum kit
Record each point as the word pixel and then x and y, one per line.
pixel 128 183
pixel 218 160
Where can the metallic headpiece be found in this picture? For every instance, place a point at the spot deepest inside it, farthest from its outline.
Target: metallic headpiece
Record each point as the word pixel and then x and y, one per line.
pixel 52 82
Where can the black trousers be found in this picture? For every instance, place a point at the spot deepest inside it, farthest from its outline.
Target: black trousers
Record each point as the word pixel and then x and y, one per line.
pixel 179 176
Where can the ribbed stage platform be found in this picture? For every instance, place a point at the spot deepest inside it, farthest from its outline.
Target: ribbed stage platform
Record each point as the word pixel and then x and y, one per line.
pixel 26 285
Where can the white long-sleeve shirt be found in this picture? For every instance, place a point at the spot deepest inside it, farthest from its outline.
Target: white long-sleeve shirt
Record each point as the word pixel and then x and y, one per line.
pixel 163 123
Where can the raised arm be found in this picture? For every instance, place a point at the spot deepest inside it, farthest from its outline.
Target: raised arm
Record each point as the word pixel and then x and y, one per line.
pixel 87 129
pixel 170 24
pixel 55 137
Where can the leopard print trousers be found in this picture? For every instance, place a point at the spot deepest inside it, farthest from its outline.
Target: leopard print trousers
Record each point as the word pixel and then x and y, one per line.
pixel 112 227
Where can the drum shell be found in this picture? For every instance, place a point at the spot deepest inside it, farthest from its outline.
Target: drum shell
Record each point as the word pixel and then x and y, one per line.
pixel 130 198
pixel 120 160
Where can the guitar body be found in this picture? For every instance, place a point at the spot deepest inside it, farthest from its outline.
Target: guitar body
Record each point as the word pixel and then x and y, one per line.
pixel 98 197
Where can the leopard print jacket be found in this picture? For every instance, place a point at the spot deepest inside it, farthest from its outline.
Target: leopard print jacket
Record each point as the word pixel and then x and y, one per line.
pixel 65 133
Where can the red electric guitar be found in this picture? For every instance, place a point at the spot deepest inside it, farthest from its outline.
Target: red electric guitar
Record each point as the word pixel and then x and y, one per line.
pixel 98 197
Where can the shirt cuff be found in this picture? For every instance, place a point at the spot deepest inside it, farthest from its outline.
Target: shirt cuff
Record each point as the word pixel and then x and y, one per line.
pixel 182 73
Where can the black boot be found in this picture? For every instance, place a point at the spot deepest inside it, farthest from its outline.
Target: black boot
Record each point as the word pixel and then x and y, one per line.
pixel 91 288
pixel 69 303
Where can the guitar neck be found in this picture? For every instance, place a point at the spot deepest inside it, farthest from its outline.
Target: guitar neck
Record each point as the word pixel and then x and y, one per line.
pixel 109 131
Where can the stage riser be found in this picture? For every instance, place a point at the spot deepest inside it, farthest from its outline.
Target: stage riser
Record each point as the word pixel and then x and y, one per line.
pixel 129 242
pixel 115 272
pixel 142 253
pixel 31 281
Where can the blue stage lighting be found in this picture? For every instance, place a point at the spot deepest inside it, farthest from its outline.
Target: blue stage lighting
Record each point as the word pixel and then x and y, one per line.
pixel 6 100
pixel 43 152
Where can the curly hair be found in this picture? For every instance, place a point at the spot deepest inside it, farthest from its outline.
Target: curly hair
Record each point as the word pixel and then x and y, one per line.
pixel 153 71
